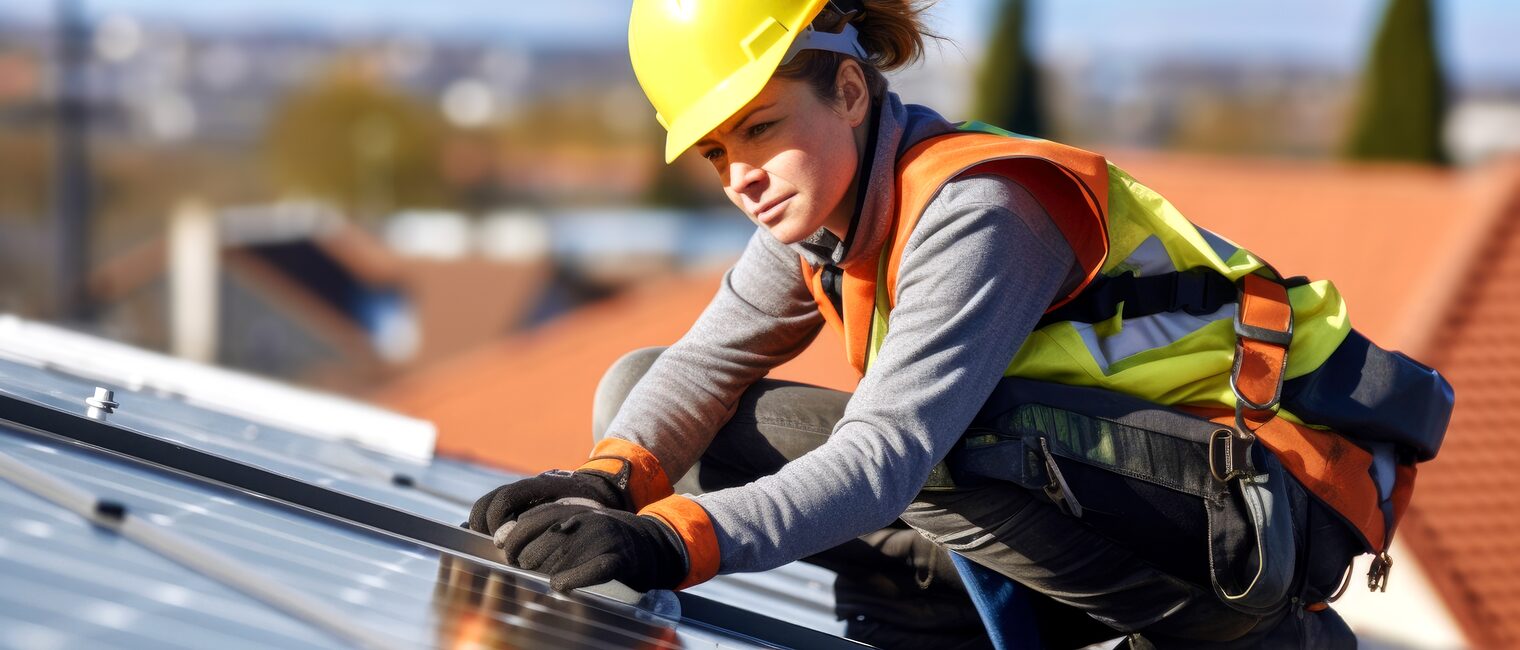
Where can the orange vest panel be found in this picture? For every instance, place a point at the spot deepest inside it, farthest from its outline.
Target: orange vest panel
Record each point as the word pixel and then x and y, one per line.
pixel 1071 184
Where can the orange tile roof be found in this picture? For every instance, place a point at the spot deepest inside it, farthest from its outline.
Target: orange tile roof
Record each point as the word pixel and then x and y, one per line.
pixel 1428 260
pixel 524 402
pixel 1464 521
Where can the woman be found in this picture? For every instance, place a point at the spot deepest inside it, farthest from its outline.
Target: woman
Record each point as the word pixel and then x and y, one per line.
pixel 936 257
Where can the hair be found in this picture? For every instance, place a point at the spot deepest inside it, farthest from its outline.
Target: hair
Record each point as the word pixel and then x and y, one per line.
pixel 892 33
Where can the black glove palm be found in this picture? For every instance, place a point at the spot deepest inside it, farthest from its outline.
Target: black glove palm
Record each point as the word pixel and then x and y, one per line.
pixel 509 501
pixel 579 546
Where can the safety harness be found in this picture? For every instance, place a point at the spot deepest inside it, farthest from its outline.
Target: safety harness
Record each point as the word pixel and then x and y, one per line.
pixel 1374 413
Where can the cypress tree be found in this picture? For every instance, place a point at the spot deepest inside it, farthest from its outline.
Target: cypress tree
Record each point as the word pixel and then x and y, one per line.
pixel 682 185
pixel 1008 82
pixel 1402 106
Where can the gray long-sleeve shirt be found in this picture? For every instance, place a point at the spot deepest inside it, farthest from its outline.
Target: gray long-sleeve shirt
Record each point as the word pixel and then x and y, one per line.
pixel 979 270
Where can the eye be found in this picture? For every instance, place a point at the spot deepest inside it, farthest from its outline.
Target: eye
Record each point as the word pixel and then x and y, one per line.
pixel 713 154
pixel 760 128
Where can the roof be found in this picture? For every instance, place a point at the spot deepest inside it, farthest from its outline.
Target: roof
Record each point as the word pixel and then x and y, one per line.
pixel 174 519
pixel 1464 521
pixel 524 401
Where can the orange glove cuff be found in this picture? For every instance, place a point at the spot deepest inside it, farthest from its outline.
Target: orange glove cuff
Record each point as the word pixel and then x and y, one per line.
pixel 647 482
pixel 695 529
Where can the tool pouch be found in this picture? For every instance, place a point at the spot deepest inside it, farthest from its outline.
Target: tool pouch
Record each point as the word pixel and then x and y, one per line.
pixel 1029 432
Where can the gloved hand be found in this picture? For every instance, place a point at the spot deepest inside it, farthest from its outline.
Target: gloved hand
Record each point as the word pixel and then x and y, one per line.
pixel 620 475
pixel 580 545
pixel 507 502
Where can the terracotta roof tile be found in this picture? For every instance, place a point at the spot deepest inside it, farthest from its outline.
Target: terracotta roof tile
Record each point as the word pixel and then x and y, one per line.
pixel 1464 521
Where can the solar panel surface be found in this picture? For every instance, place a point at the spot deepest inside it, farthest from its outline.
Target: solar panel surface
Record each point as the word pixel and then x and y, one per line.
pixel 73 583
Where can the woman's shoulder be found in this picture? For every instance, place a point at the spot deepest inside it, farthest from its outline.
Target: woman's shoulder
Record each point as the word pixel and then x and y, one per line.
pixel 973 190
pixel 989 204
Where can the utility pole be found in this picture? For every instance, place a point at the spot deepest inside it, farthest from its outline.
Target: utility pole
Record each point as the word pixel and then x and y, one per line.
pixel 72 185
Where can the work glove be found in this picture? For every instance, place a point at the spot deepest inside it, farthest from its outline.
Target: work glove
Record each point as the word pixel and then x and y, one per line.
pixel 582 545
pixel 620 475
pixel 509 501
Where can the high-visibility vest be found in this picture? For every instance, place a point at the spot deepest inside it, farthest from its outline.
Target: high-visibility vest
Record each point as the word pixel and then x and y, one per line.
pixel 1117 227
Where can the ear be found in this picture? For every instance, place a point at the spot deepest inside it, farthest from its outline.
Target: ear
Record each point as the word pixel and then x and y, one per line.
pixel 850 88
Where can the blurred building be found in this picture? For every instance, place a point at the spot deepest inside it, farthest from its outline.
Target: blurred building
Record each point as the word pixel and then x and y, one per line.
pixel 299 292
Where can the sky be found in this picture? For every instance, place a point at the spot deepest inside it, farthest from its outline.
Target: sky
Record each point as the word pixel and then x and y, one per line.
pixel 1476 35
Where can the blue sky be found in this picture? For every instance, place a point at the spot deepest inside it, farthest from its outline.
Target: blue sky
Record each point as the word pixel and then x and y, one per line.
pixel 1477 35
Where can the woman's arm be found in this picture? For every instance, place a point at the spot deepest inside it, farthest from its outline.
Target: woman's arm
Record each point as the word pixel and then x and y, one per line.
pixel 979 271
pixel 761 317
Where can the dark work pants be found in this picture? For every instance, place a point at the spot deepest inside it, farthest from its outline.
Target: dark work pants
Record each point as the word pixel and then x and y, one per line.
pixel 1136 565
pixel 895 589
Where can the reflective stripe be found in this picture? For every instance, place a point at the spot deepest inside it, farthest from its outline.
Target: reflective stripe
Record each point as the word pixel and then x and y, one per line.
pixel 1137 335
pixel 1149 258
pixel 1221 246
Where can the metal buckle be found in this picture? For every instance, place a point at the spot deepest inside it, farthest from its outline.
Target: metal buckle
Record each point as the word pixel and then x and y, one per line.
pixel 1230 454
pixel 1057 489
pixel 1283 338
pixel 1377 574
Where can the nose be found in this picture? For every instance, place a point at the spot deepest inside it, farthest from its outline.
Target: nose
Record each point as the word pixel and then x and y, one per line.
pixel 743 177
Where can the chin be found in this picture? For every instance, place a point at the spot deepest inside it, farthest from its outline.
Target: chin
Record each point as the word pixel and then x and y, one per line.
pixel 788 233
pixel 794 227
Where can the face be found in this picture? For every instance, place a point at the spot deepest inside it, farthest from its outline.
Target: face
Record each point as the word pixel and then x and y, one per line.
pixel 788 159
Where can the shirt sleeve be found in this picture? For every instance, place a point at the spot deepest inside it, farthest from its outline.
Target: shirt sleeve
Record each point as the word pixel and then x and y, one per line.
pixel 980 269
pixel 761 317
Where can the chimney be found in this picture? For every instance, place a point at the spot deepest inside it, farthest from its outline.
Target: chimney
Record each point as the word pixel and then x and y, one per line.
pixel 194 281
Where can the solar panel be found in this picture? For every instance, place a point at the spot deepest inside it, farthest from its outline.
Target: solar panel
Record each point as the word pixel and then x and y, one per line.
pixel 242 533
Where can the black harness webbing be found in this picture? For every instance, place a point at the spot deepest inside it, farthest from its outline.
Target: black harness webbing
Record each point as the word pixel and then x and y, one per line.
pixel 1195 291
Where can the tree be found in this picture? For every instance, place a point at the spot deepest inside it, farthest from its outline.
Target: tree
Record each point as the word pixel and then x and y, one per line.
pixel 1008 82
pixel 680 185
pixel 349 140
pixel 1402 106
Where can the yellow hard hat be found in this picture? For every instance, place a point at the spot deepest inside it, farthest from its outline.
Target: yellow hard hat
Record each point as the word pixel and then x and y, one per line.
pixel 700 61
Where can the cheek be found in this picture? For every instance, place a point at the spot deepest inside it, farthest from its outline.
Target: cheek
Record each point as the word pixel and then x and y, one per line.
pixel 826 159
pixel 834 164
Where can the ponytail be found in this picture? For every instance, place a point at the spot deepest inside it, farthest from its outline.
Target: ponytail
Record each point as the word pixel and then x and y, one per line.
pixel 891 31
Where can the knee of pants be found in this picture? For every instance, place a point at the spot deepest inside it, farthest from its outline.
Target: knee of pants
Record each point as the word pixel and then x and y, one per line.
pixel 615 385
pixel 963 519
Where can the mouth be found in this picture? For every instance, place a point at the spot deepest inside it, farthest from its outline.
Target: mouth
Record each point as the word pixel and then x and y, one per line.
pixel 768 212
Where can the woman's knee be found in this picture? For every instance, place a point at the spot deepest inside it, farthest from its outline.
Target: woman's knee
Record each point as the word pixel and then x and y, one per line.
pixel 615 385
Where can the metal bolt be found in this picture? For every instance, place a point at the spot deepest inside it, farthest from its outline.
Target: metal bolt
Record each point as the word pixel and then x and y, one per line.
pixel 101 404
